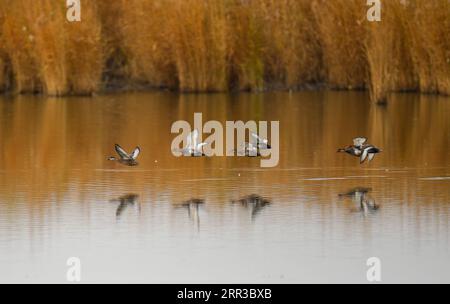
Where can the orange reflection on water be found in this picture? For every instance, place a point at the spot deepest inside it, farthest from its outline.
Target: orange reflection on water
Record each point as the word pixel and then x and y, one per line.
pixel 54 172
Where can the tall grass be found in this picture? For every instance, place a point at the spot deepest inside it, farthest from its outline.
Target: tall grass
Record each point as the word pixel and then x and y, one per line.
pixel 342 31
pixel 429 39
pixel 221 45
pixel 46 53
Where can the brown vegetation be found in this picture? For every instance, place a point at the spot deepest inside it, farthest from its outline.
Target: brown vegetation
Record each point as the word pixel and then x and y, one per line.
pixel 221 45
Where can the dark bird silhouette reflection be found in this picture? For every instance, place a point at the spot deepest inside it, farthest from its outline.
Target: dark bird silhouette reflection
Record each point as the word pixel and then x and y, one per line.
pixel 193 209
pixel 124 202
pixel 253 202
pixel 361 197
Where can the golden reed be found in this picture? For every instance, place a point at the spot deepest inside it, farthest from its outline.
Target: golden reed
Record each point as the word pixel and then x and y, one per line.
pixel 221 45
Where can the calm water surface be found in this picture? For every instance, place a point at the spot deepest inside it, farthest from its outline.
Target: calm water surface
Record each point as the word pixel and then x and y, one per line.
pixel 60 197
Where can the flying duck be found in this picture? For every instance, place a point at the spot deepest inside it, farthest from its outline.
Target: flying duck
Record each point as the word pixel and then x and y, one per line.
pixel 354 149
pixel 369 151
pixel 193 148
pixel 361 149
pixel 261 143
pixel 125 158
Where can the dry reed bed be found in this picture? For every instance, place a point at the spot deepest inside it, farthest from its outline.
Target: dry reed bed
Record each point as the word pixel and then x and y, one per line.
pixel 220 45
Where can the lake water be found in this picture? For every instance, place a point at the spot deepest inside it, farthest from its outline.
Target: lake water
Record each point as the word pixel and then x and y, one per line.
pixel 60 197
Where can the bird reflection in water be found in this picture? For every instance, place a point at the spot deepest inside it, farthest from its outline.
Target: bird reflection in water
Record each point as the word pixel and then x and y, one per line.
pixel 124 202
pixel 361 197
pixel 193 208
pixel 253 202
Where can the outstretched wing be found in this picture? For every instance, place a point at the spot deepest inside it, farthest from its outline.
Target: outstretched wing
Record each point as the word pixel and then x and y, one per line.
pixel 359 141
pixel 191 140
pixel 121 152
pixel 200 145
pixel 135 153
pixel 194 139
pixel 371 156
pixel 259 139
pixel 256 137
pixel 363 156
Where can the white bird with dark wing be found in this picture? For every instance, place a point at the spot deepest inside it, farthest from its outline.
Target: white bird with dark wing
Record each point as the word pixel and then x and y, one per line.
pixel 193 147
pixel 361 149
pixel 261 143
pixel 368 152
pixel 124 157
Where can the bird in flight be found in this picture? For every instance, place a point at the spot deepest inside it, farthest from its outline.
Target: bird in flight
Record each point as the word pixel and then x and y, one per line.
pixel 261 143
pixel 193 147
pixel 361 149
pixel 124 157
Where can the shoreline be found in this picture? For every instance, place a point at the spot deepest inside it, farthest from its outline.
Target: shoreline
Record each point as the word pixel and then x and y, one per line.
pixel 273 89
